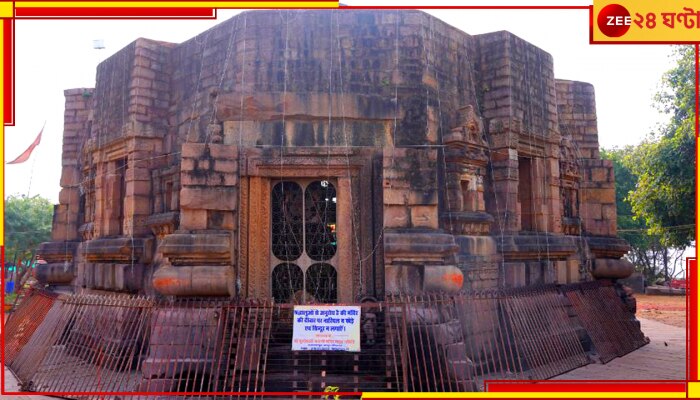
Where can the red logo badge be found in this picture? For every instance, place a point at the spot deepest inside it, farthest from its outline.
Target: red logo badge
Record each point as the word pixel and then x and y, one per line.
pixel 614 20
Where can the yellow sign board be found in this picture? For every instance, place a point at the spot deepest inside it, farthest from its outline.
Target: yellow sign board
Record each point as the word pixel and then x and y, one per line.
pixel 645 21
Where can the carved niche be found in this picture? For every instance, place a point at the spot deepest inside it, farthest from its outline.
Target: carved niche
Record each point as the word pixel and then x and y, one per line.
pixel 466 160
pixel 570 176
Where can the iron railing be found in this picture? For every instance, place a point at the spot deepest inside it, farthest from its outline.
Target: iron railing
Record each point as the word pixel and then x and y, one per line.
pixel 88 343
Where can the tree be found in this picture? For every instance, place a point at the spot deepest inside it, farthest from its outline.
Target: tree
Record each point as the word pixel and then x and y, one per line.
pixel 665 162
pixel 27 223
pixel 650 257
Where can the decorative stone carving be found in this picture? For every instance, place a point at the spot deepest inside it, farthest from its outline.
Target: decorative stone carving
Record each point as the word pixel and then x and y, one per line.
pixel 466 158
pixel 163 224
pixel 570 177
pixel 568 161
pixel 87 231
pixel 214 132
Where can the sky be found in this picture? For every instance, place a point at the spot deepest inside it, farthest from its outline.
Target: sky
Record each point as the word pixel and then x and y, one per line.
pixel 52 56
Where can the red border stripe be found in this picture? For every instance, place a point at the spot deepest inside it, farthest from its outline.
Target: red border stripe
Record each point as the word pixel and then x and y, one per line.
pixel 184 394
pixel 8 61
pixel 697 88
pixel 692 320
pixel 510 397
pixel 2 321
pixel 587 387
pixel 91 12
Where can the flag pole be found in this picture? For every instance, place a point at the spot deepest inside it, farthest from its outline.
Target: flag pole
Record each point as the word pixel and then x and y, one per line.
pixel 27 153
pixel 31 175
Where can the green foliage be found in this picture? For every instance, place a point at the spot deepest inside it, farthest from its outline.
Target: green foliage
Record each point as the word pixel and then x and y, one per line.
pixel 665 163
pixel 651 257
pixel 655 181
pixel 10 298
pixel 634 230
pixel 677 95
pixel 631 228
pixel 27 223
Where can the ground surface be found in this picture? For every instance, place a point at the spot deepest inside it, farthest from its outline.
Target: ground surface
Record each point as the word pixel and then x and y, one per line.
pixel 663 358
pixel 667 309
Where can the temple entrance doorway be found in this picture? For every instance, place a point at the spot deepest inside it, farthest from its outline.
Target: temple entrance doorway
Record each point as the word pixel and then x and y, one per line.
pixel 303 241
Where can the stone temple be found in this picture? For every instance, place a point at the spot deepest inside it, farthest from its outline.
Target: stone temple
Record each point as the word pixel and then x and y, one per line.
pixel 347 157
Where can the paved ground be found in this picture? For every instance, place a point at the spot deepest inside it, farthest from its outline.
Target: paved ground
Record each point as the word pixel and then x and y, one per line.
pixel 11 386
pixel 663 358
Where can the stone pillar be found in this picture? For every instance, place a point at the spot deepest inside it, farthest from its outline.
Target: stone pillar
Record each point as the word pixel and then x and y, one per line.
pixel 138 187
pixel 345 264
pixel 112 205
pixel 417 257
pixel 200 255
pixel 598 207
pixel 503 176
pixel 539 189
pixel 254 270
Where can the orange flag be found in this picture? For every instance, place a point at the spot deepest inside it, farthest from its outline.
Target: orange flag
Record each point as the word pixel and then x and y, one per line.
pixel 25 155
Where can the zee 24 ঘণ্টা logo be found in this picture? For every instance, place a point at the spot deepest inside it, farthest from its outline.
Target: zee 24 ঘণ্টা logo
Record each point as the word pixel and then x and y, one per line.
pixel 649 21
pixel 614 20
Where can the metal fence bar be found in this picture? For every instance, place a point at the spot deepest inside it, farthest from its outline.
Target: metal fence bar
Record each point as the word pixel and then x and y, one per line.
pixel 431 342
pixel 611 325
pixel 22 324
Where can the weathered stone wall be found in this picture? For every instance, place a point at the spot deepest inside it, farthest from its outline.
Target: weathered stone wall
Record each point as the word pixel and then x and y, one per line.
pixel 198 257
pixel 209 176
pixel 70 212
pixel 516 81
pixel 517 99
pixel 479 262
pixel 417 256
pixel 459 161
pixel 76 127
pixel 132 92
pixel 598 208
pixel 456 162
pixel 363 79
pixel 410 189
pixel 333 85
pixel 578 120
pixel 121 147
pixel 112 90
pixel 577 116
